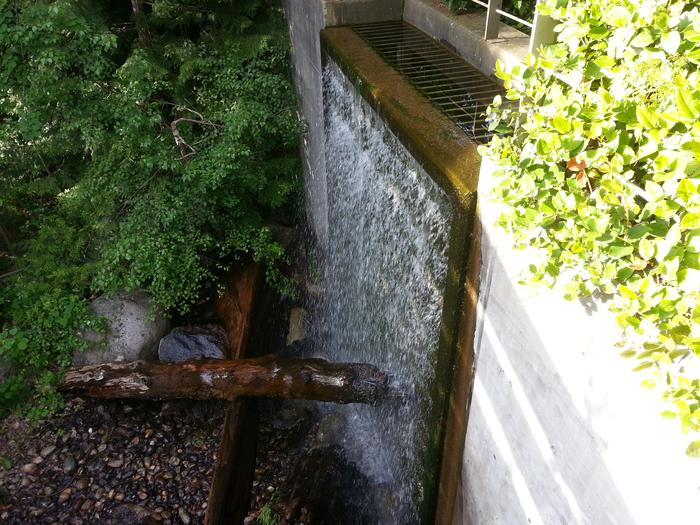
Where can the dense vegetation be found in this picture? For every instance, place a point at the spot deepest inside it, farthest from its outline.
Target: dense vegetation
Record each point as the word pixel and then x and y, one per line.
pixel 142 146
pixel 601 171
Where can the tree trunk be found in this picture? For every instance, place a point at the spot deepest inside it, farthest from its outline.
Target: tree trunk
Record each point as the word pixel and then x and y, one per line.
pixel 266 376
pixel 140 21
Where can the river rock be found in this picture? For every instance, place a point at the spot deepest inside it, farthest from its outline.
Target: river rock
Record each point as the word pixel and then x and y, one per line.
pixel 196 342
pixel 135 327
pixel 69 464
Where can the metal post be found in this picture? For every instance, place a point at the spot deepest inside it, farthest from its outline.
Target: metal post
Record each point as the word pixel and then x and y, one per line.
pixel 542 32
pixel 493 19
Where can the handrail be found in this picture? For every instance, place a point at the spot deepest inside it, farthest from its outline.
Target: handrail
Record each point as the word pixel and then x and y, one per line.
pixel 493 17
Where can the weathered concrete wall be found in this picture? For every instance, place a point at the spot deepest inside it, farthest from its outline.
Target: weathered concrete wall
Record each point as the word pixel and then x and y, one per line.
pixel 306 18
pixel 560 430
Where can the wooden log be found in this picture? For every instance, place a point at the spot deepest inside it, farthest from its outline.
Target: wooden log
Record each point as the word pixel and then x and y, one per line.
pixel 267 376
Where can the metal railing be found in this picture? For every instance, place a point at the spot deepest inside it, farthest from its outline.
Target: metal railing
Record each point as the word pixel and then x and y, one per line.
pixel 493 17
pixel 541 26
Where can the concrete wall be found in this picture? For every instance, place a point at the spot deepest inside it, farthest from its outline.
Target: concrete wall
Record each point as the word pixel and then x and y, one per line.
pixel 306 18
pixel 560 430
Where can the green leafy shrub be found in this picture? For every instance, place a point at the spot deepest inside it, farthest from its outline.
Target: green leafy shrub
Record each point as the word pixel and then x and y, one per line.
pixel 137 151
pixel 601 171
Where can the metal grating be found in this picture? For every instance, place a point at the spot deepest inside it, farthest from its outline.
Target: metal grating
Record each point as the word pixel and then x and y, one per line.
pixel 456 88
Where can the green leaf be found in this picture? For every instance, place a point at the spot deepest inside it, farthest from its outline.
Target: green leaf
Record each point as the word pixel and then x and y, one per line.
pixel 643 39
pixel 643 366
pixel 618 250
pixel 693 449
pixel 686 190
pixel 684 103
pixel 638 231
pixel 647 249
pixel 647 117
pixel 561 124
pixel 690 221
pixel 604 61
pixel 670 42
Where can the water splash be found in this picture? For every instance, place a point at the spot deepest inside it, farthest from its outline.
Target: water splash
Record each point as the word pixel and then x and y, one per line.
pixel 385 270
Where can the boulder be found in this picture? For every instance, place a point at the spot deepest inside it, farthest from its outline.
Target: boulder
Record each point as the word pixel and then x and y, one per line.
pixel 135 327
pixel 195 342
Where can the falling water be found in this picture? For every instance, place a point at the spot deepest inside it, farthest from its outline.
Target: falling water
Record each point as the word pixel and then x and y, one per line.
pixel 385 272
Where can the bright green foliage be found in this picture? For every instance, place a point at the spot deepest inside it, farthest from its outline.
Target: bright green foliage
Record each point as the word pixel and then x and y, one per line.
pixel 602 173
pixel 136 152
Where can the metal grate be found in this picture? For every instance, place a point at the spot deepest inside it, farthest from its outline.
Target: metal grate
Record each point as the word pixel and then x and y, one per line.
pixel 459 90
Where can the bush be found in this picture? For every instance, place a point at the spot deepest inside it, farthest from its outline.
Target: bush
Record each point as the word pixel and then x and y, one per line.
pixel 138 150
pixel 601 171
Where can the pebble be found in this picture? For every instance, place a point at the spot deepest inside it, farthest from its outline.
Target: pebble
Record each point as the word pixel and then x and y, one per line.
pixel 61 472
pixel 46 451
pixel 64 495
pixel 29 468
pixel 186 520
pixel 115 463
pixel 82 483
pixel 69 464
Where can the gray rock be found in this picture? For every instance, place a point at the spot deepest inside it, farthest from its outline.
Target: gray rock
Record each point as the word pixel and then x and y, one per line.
pixel 197 342
pixel 135 327
pixel 69 464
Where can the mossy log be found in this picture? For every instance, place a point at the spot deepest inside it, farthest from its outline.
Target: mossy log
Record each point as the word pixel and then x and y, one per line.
pixel 268 376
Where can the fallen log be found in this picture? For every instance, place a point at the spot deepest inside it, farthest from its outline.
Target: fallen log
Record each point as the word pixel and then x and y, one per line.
pixel 268 376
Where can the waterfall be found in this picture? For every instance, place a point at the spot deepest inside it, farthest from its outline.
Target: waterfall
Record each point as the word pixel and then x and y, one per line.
pixel 384 272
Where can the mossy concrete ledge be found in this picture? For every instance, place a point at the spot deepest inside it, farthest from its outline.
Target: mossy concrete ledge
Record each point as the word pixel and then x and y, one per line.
pixel 452 160
pixel 432 138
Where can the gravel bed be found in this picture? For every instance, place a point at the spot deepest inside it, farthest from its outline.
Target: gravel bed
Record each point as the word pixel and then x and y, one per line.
pixel 111 462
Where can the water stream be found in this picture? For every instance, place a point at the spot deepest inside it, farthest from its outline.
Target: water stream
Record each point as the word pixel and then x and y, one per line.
pixel 384 273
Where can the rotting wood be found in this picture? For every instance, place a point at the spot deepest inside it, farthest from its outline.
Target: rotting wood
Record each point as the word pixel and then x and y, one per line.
pixel 242 306
pixel 267 376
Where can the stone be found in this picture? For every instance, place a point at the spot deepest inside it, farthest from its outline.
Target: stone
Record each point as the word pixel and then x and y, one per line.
pixel 184 517
pixel 115 463
pixel 82 483
pixel 69 464
pixel 133 515
pixel 29 468
pixel 64 495
pixel 135 327
pixel 297 325
pixel 46 451
pixel 196 342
